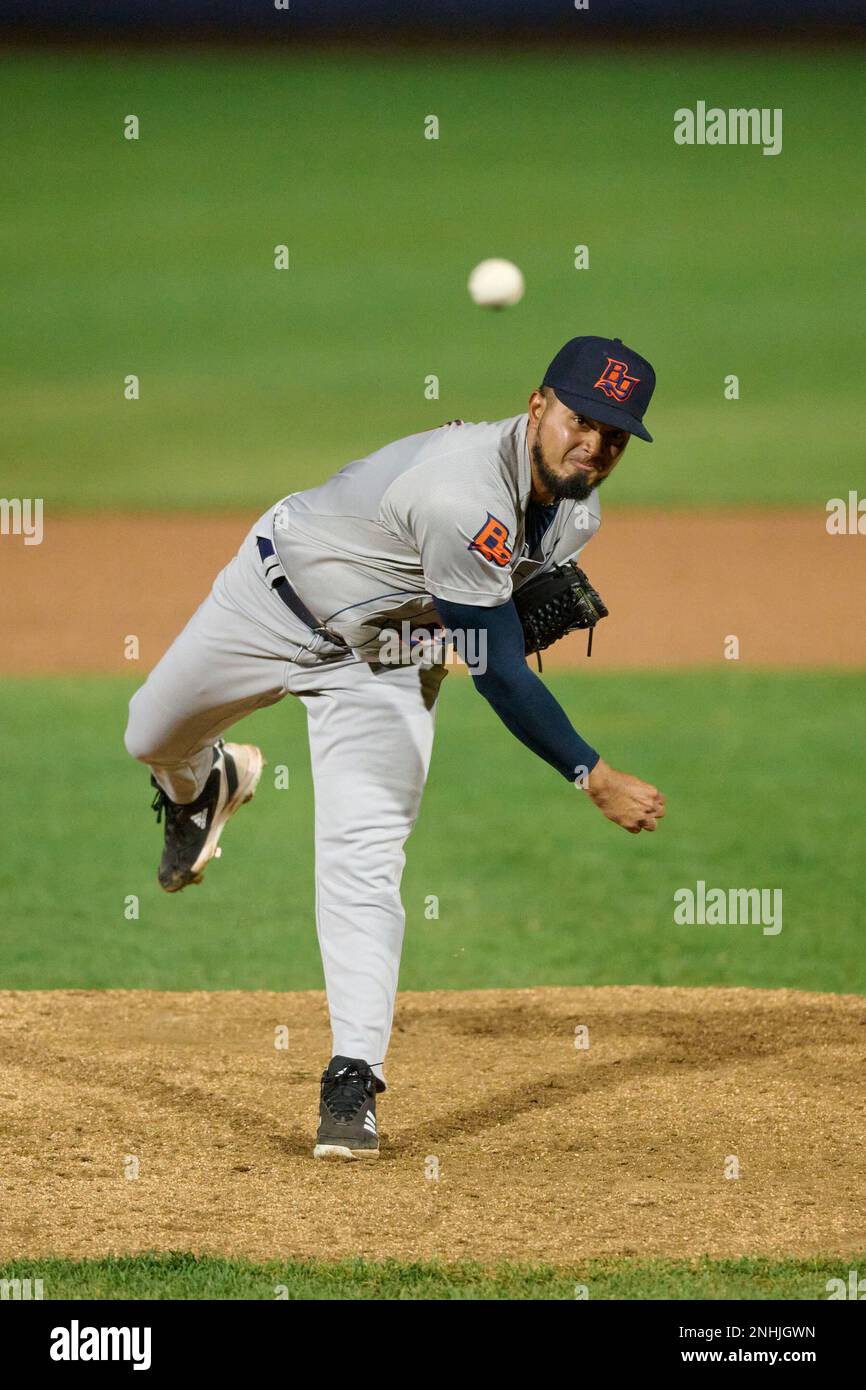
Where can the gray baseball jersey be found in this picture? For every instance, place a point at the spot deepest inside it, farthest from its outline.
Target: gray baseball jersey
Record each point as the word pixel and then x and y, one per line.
pixel 439 513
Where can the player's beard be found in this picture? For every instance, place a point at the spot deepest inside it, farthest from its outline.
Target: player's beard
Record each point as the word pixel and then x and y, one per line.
pixel 576 488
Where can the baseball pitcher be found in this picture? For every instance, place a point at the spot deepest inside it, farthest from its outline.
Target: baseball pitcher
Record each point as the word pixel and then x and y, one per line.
pixel 351 596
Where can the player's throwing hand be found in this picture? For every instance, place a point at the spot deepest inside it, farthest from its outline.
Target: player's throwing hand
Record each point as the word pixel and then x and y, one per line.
pixel 626 800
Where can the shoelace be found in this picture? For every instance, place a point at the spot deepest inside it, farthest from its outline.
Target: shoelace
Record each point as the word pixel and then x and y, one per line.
pixel 345 1093
pixel 177 818
pixel 162 803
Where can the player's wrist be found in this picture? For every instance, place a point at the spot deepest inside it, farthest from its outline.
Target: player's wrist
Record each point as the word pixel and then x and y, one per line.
pixel 583 772
pixel 598 777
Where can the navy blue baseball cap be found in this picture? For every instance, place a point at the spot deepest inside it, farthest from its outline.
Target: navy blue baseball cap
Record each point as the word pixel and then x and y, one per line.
pixel 604 379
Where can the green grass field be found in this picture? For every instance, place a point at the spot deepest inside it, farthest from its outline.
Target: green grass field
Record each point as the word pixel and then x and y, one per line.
pixel 184 1276
pixel 534 886
pixel 155 257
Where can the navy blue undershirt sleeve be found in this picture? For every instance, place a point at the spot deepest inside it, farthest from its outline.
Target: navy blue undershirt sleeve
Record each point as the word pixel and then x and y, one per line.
pixel 522 701
pixel 536 522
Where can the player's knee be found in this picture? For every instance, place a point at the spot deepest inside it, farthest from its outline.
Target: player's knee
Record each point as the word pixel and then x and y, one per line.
pixel 140 739
pixel 136 746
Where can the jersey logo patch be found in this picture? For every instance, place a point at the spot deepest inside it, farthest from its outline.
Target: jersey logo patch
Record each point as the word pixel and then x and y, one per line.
pixel 615 380
pixel 491 541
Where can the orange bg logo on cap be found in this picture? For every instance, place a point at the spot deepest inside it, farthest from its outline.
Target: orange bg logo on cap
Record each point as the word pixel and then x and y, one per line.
pixel 490 541
pixel 615 380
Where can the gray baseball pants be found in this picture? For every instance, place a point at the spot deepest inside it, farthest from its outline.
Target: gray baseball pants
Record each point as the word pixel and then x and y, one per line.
pixel 371 735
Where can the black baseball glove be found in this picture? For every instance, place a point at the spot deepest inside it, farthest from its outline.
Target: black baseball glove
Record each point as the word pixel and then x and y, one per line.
pixel 554 603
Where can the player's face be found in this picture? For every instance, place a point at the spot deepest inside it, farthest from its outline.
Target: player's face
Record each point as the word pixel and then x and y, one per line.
pixel 571 453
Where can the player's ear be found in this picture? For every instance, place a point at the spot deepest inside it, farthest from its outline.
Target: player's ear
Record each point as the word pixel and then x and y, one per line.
pixel 537 404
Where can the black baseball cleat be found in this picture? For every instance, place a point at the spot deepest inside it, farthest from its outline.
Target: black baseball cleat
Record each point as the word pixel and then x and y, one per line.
pixel 192 832
pixel 347 1111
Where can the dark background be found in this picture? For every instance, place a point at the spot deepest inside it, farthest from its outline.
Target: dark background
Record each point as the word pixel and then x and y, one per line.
pixel 337 19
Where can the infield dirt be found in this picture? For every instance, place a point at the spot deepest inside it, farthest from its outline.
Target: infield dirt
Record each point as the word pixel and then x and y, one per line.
pixel 677 585
pixel 544 1151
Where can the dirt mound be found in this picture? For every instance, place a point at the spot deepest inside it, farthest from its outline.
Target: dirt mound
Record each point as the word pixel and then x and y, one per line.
pixel 677 585
pixel 544 1151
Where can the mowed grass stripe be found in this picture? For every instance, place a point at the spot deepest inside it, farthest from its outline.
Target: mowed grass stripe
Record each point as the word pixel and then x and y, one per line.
pixel 256 382
pixel 184 1276
pixel 532 885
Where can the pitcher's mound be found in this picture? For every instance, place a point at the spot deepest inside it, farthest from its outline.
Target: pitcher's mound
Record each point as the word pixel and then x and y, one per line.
pixel 720 1121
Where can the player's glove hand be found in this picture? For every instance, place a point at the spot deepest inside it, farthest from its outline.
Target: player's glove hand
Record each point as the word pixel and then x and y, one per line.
pixel 554 603
pixel 626 800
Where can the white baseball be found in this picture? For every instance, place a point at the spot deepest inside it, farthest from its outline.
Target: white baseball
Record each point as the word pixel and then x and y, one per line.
pixel 495 283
